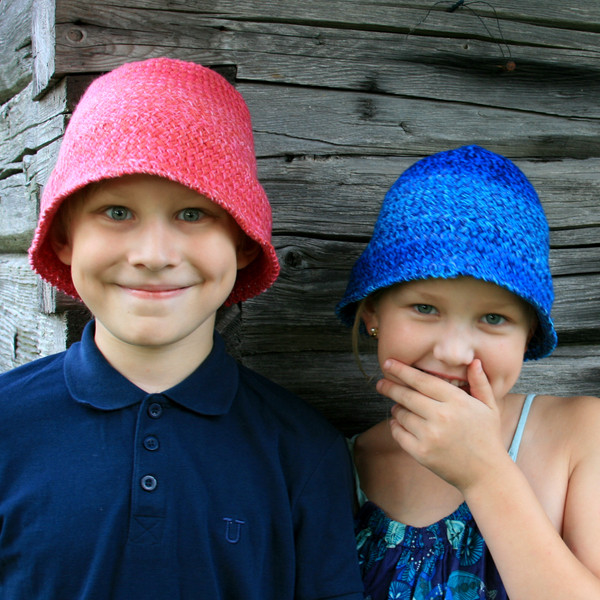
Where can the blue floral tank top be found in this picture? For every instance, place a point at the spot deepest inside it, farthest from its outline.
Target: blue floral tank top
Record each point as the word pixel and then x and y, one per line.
pixel 448 560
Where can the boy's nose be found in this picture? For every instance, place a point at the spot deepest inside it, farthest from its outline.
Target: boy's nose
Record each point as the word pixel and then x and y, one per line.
pixel 455 347
pixel 153 246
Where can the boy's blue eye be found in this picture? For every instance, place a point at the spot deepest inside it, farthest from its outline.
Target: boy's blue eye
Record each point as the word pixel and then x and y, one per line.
pixel 190 214
pixel 118 213
pixel 425 309
pixel 494 319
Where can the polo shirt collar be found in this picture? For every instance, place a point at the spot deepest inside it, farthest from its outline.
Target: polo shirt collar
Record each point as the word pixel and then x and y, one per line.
pixel 91 380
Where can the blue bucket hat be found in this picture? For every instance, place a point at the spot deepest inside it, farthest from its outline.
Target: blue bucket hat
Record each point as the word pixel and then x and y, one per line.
pixel 463 212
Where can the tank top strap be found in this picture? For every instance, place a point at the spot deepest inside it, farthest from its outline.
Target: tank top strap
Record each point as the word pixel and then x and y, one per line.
pixel 361 497
pixel 513 451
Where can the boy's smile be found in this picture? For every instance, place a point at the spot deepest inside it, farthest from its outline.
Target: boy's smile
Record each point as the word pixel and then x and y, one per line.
pixel 440 326
pixel 153 261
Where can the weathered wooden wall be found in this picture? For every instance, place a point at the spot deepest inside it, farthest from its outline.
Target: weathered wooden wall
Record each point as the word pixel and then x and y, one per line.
pixel 344 95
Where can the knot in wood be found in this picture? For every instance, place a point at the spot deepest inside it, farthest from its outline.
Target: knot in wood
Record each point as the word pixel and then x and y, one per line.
pixel 293 259
pixel 75 35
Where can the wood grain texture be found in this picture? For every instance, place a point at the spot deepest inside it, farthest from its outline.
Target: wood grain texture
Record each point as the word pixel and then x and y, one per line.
pixel 344 95
pixel 15 47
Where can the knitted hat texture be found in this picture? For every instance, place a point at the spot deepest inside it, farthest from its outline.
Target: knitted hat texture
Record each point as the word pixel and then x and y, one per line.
pixel 463 212
pixel 170 118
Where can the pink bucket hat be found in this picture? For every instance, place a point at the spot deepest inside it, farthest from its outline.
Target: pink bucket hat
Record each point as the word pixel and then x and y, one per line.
pixel 170 118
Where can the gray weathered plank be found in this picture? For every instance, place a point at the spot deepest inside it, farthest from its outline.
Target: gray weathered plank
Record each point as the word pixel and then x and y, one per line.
pixel 43 26
pixel 27 126
pixel 422 15
pixel 18 214
pixel 24 333
pixel 15 47
pixel 341 195
pixel 379 55
pixel 557 81
pixel 304 121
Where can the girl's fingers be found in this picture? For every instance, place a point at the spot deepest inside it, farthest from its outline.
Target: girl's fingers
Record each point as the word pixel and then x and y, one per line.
pixel 479 384
pixel 404 426
pixel 429 385
pixel 404 396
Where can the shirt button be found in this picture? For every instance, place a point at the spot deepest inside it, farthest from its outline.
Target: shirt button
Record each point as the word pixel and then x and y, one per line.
pixel 151 443
pixel 148 483
pixel 155 410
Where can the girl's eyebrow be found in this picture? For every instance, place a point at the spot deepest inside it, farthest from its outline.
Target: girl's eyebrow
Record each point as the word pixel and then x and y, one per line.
pixel 422 294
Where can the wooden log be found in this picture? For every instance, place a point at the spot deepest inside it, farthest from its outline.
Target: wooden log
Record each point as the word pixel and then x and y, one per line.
pixel 401 16
pixel 18 214
pixel 316 122
pixel 43 25
pixel 403 49
pixel 24 334
pixel 15 47
pixel 28 126
pixel 340 196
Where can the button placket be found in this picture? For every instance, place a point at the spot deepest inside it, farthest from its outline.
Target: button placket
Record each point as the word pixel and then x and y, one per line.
pixel 149 489
pixel 151 444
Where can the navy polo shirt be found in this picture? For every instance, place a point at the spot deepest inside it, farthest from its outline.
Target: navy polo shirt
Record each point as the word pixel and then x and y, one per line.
pixel 223 487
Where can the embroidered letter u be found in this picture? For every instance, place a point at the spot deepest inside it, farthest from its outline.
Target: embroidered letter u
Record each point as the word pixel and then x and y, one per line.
pixel 233 529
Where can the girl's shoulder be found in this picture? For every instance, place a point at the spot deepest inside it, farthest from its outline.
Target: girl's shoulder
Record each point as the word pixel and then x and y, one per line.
pixel 572 422
pixel 568 409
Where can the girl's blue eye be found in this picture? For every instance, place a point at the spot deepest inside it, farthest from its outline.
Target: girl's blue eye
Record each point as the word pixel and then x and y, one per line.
pixel 190 214
pixel 494 319
pixel 118 213
pixel 425 309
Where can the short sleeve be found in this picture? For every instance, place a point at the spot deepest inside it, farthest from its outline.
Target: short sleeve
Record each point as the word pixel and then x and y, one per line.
pixel 326 548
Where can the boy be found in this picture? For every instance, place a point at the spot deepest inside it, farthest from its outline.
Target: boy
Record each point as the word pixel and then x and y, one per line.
pixel 144 462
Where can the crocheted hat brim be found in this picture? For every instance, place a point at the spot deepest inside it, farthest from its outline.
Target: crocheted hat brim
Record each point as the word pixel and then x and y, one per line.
pixel 464 212
pixel 173 119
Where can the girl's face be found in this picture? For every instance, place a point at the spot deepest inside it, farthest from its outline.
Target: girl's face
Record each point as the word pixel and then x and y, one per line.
pixel 440 325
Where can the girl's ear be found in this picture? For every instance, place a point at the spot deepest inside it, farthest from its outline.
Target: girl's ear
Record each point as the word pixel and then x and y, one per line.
pixel 368 314
pixel 247 251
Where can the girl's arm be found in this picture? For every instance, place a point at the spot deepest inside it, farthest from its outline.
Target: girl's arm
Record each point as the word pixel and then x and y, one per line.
pixel 457 436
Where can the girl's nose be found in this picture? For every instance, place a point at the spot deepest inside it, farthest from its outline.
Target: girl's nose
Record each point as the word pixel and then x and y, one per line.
pixel 455 346
pixel 154 246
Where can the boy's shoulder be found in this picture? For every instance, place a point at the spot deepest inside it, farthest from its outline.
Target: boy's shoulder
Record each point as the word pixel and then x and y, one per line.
pixel 284 408
pixel 37 373
pixel 35 388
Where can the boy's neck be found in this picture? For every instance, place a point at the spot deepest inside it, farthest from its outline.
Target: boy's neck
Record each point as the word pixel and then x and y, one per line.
pixel 155 369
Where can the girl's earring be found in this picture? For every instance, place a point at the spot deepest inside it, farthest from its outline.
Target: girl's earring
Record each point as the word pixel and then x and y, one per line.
pixel 373 332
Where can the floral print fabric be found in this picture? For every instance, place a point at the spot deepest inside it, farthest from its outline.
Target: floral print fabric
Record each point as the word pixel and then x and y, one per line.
pixel 444 561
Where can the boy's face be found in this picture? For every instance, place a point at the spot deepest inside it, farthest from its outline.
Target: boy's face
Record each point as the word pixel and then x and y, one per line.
pixel 152 260
pixel 441 325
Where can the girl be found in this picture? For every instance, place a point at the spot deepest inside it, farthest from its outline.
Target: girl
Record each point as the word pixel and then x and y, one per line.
pixel 469 491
